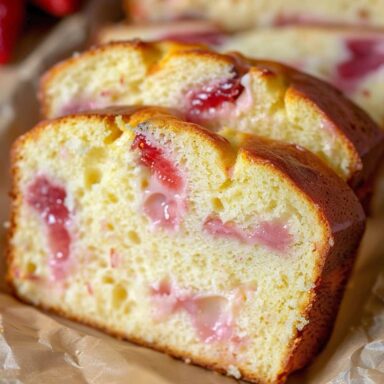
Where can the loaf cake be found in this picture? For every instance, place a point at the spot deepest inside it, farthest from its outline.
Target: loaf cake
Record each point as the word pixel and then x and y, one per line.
pixel 242 14
pixel 230 256
pixel 351 59
pixel 222 92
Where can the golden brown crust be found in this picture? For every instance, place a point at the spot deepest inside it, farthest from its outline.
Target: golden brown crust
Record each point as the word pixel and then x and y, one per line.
pixel 333 201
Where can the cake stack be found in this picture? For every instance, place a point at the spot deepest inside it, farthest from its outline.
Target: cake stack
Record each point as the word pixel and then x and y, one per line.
pixel 203 204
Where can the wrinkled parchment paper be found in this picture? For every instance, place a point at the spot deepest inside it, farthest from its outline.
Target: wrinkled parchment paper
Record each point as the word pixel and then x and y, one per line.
pixel 36 347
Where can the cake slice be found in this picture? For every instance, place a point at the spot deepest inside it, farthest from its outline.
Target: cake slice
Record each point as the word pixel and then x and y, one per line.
pixel 351 59
pixel 242 14
pixel 162 232
pixel 222 92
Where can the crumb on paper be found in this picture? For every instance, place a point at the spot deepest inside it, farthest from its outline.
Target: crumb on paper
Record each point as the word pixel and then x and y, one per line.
pixel 7 224
pixel 234 372
pixel 187 360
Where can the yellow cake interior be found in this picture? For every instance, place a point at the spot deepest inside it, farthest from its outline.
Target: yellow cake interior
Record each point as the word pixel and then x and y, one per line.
pixel 264 290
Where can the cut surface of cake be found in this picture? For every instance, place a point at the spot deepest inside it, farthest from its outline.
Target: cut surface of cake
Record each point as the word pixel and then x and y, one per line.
pixel 164 233
pixel 242 14
pixel 222 92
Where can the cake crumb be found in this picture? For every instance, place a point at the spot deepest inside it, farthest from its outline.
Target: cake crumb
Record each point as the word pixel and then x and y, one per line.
pixel 301 323
pixel 187 360
pixel 149 339
pixel 6 224
pixel 234 372
pixel 242 334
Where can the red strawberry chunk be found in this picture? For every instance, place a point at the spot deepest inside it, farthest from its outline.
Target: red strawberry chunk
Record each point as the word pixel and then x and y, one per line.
pixel 366 55
pixel 164 200
pixel 155 159
pixel 48 200
pixel 204 103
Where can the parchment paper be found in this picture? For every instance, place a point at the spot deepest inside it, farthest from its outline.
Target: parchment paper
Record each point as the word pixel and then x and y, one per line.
pixel 36 347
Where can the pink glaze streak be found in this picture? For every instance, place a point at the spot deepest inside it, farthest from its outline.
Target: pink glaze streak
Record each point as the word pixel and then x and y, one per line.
pixel 272 234
pixel 212 316
pixel 114 257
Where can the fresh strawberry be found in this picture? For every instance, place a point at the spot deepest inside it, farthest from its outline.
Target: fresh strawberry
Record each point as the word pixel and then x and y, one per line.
pixel 11 20
pixel 58 7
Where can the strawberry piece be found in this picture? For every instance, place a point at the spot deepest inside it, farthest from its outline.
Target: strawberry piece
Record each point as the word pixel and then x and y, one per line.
pixel 11 20
pixel 211 315
pixel 58 8
pixel 366 55
pixel 155 159
pixel 164 201
pixel 204 103
pixel 163 210
pixel 217 228
pixel 48 200
pixel 273 234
